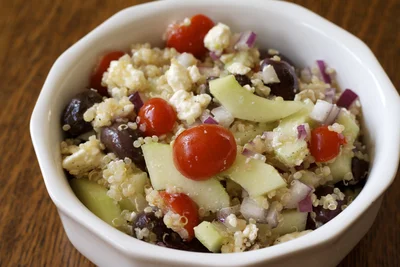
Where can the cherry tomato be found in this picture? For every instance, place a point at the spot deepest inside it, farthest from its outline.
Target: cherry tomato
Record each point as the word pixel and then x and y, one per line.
pixel 156 117
pixel 97 75
pixel 184 206
pixel 190 38
pixel 325 144
pixel 203 151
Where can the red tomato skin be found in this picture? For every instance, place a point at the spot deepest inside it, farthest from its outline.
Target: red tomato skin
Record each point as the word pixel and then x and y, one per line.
pixel 183 205
pixel 156 117
pixel 102 66
pixel 325 144
pixel 190 38
pixel 204 151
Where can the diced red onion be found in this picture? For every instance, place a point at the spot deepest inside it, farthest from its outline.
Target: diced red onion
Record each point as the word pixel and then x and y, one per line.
pixel 136 100
pixel 332 115
pixel 306 75
pixel 298 191
pixel 206 113
pixel 272 217
pixel 234 39
pixel 250 209
pixel 214 56
pixel 301 132
pixel 322 68
pixel 209 72
pixel 347 98
pixel 305 205
pixel 268 135
pixel 321 111
pixel 324 112
pixel 225 212
pixel 222 116
pixel 248 153
pixel 210 120
pixel 247 40
pixel 330 94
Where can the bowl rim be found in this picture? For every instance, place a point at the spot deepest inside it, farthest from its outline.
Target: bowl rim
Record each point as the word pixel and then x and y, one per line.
pixel 68 203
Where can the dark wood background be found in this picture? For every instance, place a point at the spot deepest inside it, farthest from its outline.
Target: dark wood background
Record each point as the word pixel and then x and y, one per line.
pixel 34 33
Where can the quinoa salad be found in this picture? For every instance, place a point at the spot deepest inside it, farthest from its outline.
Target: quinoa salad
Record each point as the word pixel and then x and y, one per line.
pixel 213 143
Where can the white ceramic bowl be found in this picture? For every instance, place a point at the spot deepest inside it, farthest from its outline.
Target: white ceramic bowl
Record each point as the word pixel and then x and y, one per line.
pixel 296 32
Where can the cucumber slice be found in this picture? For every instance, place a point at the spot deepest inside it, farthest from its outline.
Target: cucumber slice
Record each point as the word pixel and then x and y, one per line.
pixel 242 104
pixel 209 194
pixel 351 129
pixel 255 176
pixel 209 236
pixel 340 167
pixel 342 164
pixel 289 124
pixel 127 204
pixel 244 137
pixel 293 151
pixel 135 203
pixel 94 197
pixel 293 221
pixel 310 178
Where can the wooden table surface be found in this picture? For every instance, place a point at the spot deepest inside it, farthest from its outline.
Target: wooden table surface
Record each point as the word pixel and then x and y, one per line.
pixel 34 33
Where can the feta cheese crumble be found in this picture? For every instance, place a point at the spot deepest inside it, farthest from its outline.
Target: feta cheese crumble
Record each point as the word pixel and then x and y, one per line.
pixel 121 73
pixel 178 77
pixel 218 38
pixel 188 106
pixel 102 114
pixel 238 68
pixel 86 157
pixel 269 75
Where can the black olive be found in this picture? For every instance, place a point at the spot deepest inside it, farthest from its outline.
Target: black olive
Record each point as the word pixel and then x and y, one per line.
pixel 207 85
pixel 264 54
pixel 151 222
pixel 325 215
pixel 73 112
pixel 359 169
pixel 324 190
pixel 288 86
pixel 165 236
pixel 212 104
pixel 173 240
pixel 118 138
pixel 310 224
pixel 242 79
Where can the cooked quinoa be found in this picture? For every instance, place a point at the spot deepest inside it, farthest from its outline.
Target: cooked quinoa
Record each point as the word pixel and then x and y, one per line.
pixel 105 139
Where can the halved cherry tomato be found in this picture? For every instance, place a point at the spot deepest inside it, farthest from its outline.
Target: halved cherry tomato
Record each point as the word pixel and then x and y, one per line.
pixel 203 151
pixel 102 66
pixel 156 117
pixel 325 144
pixel 184 206
pixel 190 38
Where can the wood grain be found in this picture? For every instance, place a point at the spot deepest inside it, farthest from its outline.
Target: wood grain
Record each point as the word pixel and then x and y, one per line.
pixel 34 33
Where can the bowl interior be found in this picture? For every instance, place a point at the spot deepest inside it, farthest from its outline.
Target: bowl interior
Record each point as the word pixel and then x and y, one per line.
pixel 300 35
